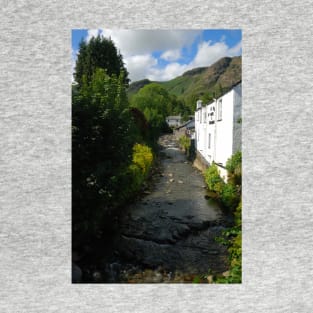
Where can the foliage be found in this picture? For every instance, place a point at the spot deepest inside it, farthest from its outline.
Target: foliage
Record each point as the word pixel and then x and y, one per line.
pixel 142 157
pixel 233 165
pixel 214 181
pixel 232 238
pixel 103 136
pixel 229 193
pixel 155 103
pixel 230 196
pixel 109 162
pixel 137 171
pixel 199 83
pixel 99 52
pixel 185 142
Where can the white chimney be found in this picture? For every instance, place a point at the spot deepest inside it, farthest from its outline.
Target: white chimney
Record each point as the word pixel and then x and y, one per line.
pixel 199 104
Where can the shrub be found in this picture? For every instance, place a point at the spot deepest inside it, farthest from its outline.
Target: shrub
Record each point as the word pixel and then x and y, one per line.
pixel 230 196
pixel 233 166
pixel 213 179
pixel 133 177
pixel 142 157
pixel 185 142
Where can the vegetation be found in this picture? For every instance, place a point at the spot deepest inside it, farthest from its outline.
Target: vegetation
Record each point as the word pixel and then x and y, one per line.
pixel 185 143
pixel 203 83
pixel 109 155
pixel 99 52
pixel 155 102
pixel 232 238
pixel 214 181
pixel 230 195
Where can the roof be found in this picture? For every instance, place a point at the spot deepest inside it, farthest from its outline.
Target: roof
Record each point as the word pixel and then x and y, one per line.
pixel 188 124
pixel 173 117
pixel 228 90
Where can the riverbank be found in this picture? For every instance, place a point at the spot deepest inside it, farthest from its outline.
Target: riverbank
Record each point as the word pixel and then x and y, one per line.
pixel 169 234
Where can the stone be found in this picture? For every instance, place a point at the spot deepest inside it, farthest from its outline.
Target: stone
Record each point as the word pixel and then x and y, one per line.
pixel 226 274
pixel 180 182
pixel 97 276
pixel 172 180
pixel 210 279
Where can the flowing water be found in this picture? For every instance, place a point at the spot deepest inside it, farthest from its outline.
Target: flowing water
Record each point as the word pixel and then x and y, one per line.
pixel 169 234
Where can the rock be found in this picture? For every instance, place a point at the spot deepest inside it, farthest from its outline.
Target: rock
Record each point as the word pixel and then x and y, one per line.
pixel 180 182
pixel 170 175
pixel 158 278
pixel 226 274
pixel 76 273
pixel 147 192
pixel 172 180
pixel 210 279
pixel 170 203
pixel 97 276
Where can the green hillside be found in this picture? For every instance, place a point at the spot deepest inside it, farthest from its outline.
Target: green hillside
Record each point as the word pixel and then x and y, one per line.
pixel 203 83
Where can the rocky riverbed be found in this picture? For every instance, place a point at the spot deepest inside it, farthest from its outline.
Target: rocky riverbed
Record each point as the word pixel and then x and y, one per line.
pixel 169 234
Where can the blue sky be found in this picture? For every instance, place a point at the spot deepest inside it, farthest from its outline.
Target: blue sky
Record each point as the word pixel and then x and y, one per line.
pixel 165 54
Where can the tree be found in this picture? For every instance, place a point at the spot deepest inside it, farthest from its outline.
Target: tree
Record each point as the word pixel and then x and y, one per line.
pixel 156 103
pixel 99 52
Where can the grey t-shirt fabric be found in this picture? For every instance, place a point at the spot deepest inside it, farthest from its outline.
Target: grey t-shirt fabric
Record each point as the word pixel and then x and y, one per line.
pixel 35 201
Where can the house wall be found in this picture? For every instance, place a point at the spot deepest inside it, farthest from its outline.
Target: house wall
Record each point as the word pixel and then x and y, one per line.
pixel 237 123
pixel 224 130
pixel 224 135
pixel 173 122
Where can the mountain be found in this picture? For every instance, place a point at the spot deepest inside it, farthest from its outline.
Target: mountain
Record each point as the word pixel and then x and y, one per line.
pixel 203 83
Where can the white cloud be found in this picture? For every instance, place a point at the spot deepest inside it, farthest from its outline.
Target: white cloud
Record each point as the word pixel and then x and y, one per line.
pixel 138 66
pixel 137 46
pixel 131 42
pixel 171 55
pixel 93 33
pixel 170 71
pixel 235 50
pixel 209 53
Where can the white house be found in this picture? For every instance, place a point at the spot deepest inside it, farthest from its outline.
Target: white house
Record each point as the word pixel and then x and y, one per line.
pixel 173 121
pixel 218 128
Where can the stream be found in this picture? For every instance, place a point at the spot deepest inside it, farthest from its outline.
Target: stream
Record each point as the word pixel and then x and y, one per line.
pixel 167 236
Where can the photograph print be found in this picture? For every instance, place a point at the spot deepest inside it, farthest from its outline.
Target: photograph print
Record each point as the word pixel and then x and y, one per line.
pixel 156 156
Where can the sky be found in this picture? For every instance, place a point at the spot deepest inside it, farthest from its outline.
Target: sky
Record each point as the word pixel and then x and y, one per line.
pixel 161 55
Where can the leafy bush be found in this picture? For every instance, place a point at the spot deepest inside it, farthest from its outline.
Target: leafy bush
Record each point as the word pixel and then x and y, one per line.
pixel 230 196
pixel 185 142
pixel 213 179
pixel 142 157
pixel 130 179
pixel 233 166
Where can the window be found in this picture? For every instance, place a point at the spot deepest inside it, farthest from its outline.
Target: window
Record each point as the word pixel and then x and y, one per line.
pixel 209 141
pixel 219 110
